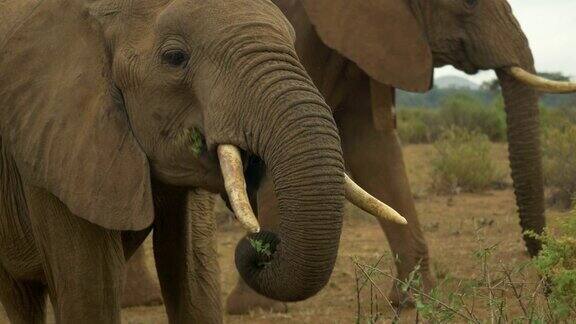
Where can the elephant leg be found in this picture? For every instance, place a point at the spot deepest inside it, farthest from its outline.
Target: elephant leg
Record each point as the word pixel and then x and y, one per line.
pixel 83 263
pixel 24 302
pixel 141 288
pixel 374 156
pixel 244 299
pixel 186 257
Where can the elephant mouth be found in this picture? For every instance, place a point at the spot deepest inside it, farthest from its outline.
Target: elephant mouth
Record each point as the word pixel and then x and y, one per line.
pixel 454 52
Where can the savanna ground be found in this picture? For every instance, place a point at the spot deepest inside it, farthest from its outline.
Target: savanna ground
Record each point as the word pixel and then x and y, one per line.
pixel 459 229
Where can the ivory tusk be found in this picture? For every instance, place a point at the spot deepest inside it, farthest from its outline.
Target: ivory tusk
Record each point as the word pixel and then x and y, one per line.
pixel 233 173
pixel 539 83
pixel 359 197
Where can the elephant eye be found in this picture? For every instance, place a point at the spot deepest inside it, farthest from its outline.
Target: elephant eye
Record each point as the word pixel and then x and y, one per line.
pixel 175 58
pixel 471 3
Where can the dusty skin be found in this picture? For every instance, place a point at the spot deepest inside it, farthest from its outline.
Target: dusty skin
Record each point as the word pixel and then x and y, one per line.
pixel 448 223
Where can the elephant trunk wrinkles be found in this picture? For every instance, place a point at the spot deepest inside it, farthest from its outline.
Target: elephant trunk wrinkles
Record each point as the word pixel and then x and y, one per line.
pixel 301 148
pixel 525 154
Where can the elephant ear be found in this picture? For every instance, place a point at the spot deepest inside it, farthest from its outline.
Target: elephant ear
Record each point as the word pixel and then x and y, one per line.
pixel 63 121
pixel 382 36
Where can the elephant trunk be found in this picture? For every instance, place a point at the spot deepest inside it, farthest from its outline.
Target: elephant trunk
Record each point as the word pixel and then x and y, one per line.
pixel 300 146
pixel 521 103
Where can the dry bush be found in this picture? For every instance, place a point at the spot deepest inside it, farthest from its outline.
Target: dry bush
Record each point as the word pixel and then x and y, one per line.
pixel 557 118
pixel 542 290
pixel 463 163
pixel 559 147
pixel 418 125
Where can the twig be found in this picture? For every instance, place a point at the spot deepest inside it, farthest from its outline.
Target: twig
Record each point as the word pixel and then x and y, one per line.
pixel 375 266
pixel 515 291
pixel 465 306
pixel 533 299
pixel 501 313
pixel 448 307
pixel 377 288
pixel 486 274
pixel 358 302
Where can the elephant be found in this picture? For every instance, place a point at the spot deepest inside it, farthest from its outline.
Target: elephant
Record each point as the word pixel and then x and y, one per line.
pixel 118 118
pixel 357 51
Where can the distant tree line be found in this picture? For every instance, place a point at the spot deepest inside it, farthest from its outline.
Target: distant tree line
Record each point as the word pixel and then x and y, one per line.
pixel 488 94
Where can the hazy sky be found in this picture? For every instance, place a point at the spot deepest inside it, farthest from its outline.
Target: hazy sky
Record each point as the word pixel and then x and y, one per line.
pixel 551 29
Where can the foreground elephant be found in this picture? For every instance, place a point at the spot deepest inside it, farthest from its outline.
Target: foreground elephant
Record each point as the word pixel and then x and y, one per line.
pixel 114 118
pixel 352 49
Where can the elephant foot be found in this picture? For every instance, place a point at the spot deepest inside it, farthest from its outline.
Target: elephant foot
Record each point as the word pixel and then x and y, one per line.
pixel 243 300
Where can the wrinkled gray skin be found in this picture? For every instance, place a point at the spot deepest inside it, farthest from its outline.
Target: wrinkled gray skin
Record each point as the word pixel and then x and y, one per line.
pixel 100 105
pixel 471 37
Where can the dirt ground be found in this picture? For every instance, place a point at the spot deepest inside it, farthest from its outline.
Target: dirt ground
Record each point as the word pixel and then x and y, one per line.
pixel 455 227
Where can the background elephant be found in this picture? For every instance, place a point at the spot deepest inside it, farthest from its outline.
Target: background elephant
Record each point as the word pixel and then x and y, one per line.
pixel 114 118
pixel 354 50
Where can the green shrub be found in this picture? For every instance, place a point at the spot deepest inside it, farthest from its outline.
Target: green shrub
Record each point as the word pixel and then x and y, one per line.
pixel 463 162
pixel 466 112
pixel 418 125
pixel 557 118
pixel 557 262
pixel 423 125
pixel 559 147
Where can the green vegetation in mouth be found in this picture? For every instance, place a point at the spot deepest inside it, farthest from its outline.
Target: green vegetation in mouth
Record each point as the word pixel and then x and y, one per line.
pixel 196 142
pixel 261 247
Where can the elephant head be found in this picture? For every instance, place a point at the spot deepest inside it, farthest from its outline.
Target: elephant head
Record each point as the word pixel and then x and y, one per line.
pixel 398 42
pixel 100 98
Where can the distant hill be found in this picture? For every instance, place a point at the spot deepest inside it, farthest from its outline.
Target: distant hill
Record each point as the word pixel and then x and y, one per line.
pixel 455 82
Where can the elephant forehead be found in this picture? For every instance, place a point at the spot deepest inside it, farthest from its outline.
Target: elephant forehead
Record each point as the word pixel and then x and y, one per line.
pixel 209 20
